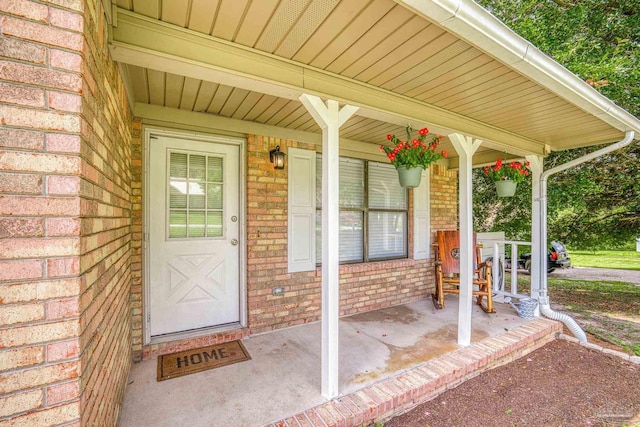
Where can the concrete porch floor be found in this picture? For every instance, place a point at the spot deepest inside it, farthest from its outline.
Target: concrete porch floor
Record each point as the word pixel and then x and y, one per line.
pixel 283 376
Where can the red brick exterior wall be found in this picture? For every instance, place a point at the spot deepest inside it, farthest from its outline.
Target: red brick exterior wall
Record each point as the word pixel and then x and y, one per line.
pixel 64 217
pixel 363 287
pixel 135 296
pixel 106 228
pixel 444 199
pixel 71 227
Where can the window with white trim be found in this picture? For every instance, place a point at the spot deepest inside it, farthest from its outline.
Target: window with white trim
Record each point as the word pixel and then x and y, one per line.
pixel 195 186
pixel 373 211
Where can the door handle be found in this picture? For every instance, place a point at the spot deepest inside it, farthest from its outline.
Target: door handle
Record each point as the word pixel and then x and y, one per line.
pixel 234 242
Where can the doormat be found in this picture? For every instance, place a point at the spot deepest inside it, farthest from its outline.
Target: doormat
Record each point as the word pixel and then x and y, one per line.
pixel 200 359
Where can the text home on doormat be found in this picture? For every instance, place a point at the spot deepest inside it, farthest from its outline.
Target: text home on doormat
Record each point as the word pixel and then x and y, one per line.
pixel 200 359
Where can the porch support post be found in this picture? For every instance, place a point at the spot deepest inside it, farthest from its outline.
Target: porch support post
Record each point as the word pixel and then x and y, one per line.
pixel 329 117
pixel 465 147
pixel 538 264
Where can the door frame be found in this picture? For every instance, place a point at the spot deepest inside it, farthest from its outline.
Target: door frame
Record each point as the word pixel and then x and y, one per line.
pixel 148 133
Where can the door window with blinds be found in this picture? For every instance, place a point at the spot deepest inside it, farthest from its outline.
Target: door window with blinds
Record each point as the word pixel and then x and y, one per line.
pixel 373 211
pixel 195 185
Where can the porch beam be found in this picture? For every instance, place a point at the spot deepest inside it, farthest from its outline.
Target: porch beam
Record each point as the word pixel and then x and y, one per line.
pixel 465 146
pixel 206 122
pixel 149 43
pixel 486 158
pixel 538 256
pixel 330 117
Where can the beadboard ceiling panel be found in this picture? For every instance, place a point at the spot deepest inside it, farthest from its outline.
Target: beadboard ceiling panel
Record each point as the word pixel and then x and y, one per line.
pixel 230 14
pixel 201 15
pixel 170 90
pixel 377 42
pixel 189 93
pixel 175 12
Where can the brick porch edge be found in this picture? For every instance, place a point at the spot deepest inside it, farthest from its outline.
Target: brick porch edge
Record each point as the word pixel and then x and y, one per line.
pixel 404 391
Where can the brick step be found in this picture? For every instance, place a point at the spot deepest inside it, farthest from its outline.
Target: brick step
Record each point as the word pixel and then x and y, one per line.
pixel 398 394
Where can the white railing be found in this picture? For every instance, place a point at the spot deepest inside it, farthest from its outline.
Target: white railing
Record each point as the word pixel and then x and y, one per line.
pixel 498 268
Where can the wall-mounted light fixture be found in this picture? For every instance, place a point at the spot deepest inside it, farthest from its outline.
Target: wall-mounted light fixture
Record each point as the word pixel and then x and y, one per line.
pixel 277 158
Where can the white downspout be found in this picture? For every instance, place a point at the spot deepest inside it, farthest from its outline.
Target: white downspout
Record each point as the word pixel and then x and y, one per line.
pixel 543 297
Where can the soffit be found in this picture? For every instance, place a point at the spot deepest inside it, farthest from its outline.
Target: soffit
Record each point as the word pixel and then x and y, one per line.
pixel 188 94
pixel 380 43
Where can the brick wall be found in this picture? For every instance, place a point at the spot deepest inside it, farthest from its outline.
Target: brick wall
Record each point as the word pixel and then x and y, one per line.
pixel 266 230
pixel 105 228
pixel 363 287
pixel 135 297
pixel 444 199
pixel 64 217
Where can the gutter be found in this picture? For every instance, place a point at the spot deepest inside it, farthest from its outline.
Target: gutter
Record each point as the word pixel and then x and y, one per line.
pixel 543 297
pixel 477 26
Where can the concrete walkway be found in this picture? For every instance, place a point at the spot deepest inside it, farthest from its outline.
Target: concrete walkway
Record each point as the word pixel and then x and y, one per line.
pixel 283 376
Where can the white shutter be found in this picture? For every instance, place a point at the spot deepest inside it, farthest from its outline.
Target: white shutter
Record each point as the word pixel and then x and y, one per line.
pixel 421 219
pixel 302 210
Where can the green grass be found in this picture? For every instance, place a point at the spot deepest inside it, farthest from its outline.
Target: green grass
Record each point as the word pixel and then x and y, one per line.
pixel 607 309
pixel 623 260
pixel 606 335
pixel 591 295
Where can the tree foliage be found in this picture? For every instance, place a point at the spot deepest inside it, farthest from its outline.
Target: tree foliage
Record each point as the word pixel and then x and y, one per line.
pixel 596 204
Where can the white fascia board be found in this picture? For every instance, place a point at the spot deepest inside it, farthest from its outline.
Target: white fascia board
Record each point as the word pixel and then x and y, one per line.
pixel 478 27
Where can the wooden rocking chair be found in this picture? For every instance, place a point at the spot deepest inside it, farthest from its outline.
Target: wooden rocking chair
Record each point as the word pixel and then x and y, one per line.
pixel 447 262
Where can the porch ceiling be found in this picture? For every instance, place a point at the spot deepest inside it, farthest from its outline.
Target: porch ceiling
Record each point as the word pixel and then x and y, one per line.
pixel 174 91
pixel 374 49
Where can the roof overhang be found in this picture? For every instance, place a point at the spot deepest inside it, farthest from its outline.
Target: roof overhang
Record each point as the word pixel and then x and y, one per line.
pixel 546 101
pixel 476 25
pixel 144 42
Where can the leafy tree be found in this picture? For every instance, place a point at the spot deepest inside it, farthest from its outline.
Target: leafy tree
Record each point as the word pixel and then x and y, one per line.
pixel 597 204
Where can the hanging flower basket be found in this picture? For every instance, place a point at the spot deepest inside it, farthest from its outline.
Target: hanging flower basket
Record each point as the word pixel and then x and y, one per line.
pixel 410 178
pixel 411 157
pixel 506 177
pixel 506 188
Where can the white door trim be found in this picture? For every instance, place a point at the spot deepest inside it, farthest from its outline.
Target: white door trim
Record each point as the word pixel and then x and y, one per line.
pixel 148 132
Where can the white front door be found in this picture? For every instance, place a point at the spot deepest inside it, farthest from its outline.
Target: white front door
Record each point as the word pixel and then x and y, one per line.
pixel 193 234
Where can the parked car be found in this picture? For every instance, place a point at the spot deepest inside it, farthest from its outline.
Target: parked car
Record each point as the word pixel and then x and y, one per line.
pixel 557 257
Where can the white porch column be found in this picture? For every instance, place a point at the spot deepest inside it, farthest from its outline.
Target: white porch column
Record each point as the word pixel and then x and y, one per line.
pixel 329 117
pixel 465 147
pixel 538 258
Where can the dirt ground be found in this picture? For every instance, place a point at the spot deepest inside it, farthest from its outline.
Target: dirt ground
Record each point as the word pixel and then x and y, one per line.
pixel 560 384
